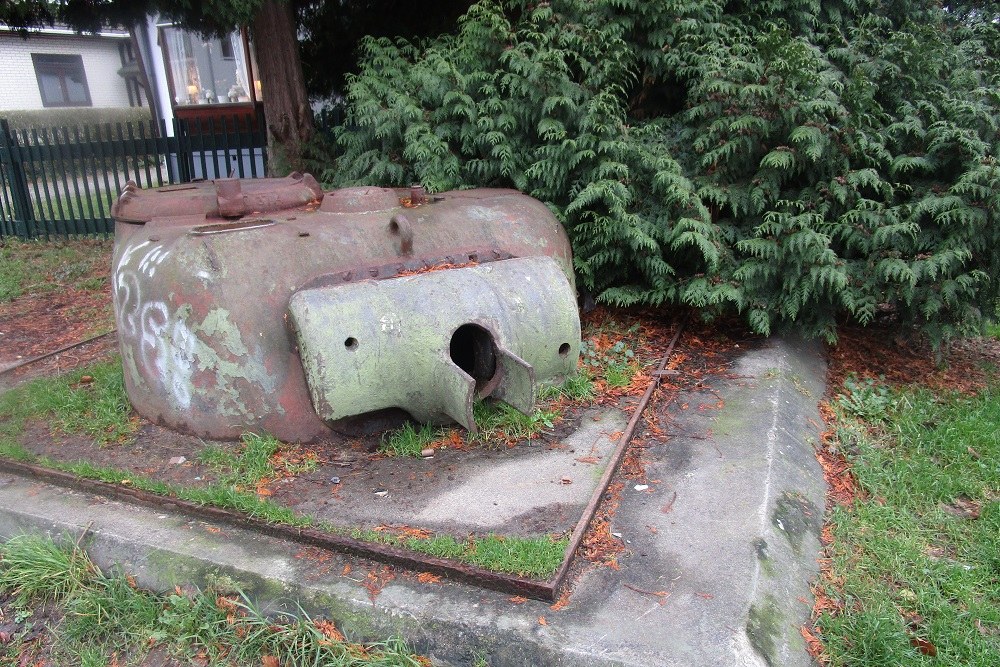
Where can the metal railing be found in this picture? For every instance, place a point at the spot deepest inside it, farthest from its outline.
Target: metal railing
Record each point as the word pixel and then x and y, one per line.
pixel 62 181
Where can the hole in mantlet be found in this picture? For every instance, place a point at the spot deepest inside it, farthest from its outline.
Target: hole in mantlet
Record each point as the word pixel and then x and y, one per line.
pixel 472 349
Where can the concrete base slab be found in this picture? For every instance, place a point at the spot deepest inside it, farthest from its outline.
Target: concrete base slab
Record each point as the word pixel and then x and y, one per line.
pixel 532 490
pixel 721 549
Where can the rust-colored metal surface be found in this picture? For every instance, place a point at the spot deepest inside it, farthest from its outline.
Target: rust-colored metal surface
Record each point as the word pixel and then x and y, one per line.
pixel 204 273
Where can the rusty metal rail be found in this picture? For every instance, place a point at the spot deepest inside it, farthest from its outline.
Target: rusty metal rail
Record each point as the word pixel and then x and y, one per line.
pixel 508 584
pixel 64 348
pixel 616 460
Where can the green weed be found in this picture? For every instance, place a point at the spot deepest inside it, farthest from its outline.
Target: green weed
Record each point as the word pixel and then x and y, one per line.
pixel 107 618
pixel 866 400
pixel 578 387
pixel 37 568
pixel 614 361
pixel 499 423
pixel 98 408
pixel 409 440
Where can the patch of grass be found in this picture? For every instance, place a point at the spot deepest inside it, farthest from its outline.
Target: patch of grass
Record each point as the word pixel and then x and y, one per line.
pixel 915 565
pixel 97 408
pixel 107 618
pixel 531 557
pixel 37 568
pixel 44 266
pixel 537 557
pixel 409 440
pixel 499 423
pixel 247 466
pixel 577 388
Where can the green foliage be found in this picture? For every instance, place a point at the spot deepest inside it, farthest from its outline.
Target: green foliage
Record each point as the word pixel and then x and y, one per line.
pixel 616 364
pixel 794 162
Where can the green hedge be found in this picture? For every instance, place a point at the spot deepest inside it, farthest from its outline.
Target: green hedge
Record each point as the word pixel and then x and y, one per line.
pixel 74 117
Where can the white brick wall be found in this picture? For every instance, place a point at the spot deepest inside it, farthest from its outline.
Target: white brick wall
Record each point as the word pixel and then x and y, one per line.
pixel 19 87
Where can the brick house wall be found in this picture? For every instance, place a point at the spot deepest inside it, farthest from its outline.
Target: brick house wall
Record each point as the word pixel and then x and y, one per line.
pixel 101 62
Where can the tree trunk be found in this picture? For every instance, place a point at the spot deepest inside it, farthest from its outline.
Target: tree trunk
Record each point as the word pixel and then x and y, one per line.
pixel 286 104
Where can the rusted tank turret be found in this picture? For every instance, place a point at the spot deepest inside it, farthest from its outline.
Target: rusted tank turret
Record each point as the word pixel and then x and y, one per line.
pixel 269 305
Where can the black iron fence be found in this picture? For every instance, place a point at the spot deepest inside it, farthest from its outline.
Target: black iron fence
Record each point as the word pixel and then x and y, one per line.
pixel 63 181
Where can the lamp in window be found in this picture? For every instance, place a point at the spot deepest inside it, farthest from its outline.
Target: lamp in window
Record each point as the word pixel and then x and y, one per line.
pixel 193 93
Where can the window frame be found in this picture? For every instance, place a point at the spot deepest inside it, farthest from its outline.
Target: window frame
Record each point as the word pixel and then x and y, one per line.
pixel 63 66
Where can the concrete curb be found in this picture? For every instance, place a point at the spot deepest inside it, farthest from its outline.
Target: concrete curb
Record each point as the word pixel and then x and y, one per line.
pixel 730 532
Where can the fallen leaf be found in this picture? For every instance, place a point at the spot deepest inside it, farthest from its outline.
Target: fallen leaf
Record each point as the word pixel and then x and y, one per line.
pixel 542 621
pixel 561 603
pixel 669 507
pixel 269 661
pixel 428 578
pixel 924 646
pixel 660 595
pixel 518 599
pixel 346 571
pixel 963 508
pixel 329 630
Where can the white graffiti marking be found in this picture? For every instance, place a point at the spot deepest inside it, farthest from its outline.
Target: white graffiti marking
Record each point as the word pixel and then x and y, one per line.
pixel 164 341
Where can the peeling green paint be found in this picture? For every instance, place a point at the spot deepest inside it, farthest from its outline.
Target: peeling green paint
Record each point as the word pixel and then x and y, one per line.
pixel 219 326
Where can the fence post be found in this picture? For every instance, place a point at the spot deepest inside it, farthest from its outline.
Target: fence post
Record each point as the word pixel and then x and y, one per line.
pixel 24 215
pixel 262 127
pixel 184 156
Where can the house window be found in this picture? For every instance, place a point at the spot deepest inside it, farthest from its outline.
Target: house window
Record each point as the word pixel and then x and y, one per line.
pixel 61 80
pixel 207 70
